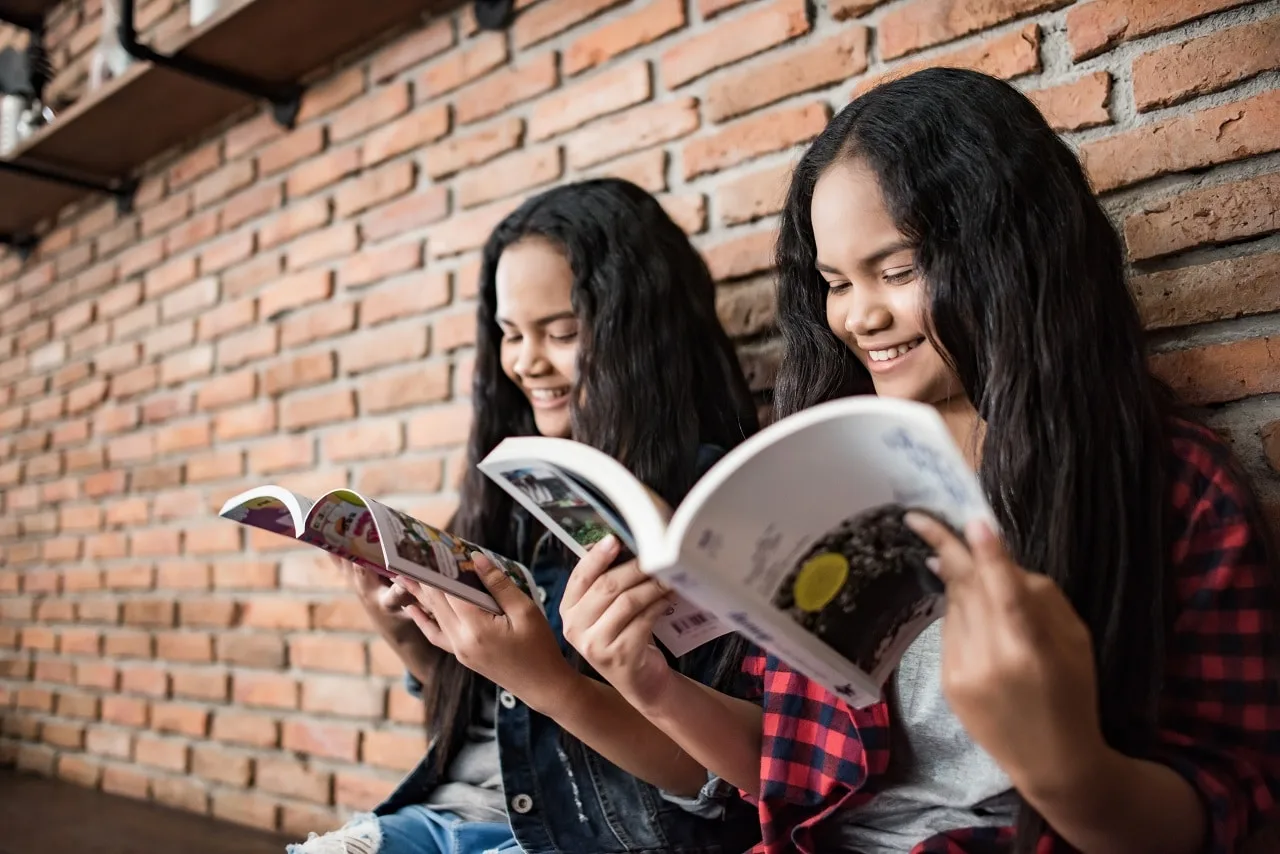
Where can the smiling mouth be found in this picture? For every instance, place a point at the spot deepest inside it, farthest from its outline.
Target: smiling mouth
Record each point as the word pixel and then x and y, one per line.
pixel 893 353
pixel 548 398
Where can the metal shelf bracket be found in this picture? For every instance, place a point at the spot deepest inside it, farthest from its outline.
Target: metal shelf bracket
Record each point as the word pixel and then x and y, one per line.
pixel 285 99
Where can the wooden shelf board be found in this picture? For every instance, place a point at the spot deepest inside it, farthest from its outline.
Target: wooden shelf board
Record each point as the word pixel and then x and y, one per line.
pixel 149 109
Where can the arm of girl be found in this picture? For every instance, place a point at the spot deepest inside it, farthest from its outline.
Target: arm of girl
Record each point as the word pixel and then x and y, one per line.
pixel 1018 672
pixel 517 650
pixel 609 615
pixel 385 603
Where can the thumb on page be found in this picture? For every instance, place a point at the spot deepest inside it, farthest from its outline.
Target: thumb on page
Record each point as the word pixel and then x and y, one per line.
pixel 498 583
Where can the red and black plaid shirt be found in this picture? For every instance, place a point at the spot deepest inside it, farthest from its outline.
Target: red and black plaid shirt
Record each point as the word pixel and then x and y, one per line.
pixel 1220 723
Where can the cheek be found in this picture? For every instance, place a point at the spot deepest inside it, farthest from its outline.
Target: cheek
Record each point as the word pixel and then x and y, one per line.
pixel 507 356
pixel 836 314
pixel 565 361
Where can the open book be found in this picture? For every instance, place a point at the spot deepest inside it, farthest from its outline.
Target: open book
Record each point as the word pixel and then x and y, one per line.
pixel 376 536
pixel 794 539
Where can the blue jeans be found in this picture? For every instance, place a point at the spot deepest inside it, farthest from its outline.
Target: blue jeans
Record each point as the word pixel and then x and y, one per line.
pixel 412 830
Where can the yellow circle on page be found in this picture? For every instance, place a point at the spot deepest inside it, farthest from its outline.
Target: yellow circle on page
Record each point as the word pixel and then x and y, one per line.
pixel 819 580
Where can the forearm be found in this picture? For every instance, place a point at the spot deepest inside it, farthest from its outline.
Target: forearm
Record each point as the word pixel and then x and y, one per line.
pixel 720 732
pixel 1127 806
pixel 597 715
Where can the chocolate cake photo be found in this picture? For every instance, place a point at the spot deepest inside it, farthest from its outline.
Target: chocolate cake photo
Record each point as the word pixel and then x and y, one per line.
pixel 860 585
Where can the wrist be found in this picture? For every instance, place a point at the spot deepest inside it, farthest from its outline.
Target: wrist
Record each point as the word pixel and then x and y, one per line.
pixel 554 693
pixel 1078 783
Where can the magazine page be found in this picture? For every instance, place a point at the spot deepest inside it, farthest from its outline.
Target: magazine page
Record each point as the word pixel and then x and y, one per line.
pixel 373 534
pixel 271 508
pixel 796 537
pixel 578 513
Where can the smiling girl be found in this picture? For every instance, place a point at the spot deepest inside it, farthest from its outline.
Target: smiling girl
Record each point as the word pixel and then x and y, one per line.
pixel 596 322
pixel 1107 677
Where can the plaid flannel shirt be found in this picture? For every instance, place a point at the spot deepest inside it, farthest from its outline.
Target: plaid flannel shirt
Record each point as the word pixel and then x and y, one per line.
pixel 1220 726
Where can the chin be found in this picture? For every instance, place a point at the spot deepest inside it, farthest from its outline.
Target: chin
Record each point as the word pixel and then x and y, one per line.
pixel 553 425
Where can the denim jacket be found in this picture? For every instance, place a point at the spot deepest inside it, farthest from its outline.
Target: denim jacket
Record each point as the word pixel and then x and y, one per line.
pixel 564 798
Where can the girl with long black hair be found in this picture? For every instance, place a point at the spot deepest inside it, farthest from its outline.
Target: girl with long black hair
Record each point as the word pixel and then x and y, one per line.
pixel 1107 676
pixel 596 322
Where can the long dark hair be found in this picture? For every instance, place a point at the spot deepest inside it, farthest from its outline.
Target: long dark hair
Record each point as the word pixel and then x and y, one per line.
pixel 1028 304
pixel 660 375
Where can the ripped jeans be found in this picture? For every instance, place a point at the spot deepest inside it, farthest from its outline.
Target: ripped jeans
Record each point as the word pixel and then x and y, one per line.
pixel 412 830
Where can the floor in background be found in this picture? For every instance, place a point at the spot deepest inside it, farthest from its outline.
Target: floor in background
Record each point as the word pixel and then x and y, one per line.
pixel 41 816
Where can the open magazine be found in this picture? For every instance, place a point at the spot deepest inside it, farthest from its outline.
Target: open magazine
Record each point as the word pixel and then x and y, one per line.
pixel 794 539
pixel 376 536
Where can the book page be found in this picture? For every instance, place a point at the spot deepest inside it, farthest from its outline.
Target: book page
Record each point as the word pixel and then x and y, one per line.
pixel 580 516
pixel 270 508
pixel 797 538
pixel 394 543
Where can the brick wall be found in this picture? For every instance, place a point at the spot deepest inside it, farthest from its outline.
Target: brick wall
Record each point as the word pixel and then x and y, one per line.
pixel 296 307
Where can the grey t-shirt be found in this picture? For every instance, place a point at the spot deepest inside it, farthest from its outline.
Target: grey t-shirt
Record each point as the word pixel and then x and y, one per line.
pixel 938 779
pixel 472 784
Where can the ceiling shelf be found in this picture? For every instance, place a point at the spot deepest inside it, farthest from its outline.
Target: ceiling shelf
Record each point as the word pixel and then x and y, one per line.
pixel 108 134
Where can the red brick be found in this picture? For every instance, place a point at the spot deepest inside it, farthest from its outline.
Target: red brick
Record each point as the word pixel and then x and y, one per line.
pixel 125 711
pixel 226 317
pixel 298 218
pixel 318 652
pixel 196 164
pixel 35 699
pixel 639 128
pixel 1216 135
pixel 247 808
pixel 336 695
pixel 404 298
pixel 182 575
pixel 515 173
pixel 481 56
pixel 602 43
pixel 321 172
pixel 411 49
pixel 113 360
pixel 268 690
pixel 1098 25
pixel 388 345
pixel 115 743
pixel 184 437
pixel 506 88
pixel 213 538
pixel 298 412
pixel 218 465
pixel 748 309
pixel 1220 373
pixel 463 152
pixel 251 650
pixel 180 719
pixel 149 612
pixel 687 210
pixel 140 380
pixel 710 8
pixel 136 320
pixel 78 770
pixel 1234 287
pixel 752 137
pixel 388 391
pixel 64 735
pixel 98 610
pixel 398 751
pixel 361 791
pixel 184 646
pixel 293 148
pixel 374 188
pixel 156 543
pixel 1007 56
pixel 1174 73
pixel 81 642
pixel 283 776
pixel 1216 214
pixel 247 728
pixel 90 340
pixel 332 741
pixel 333 93
pixel 250 575
pixel 754 195
pixel 190 234
pixel 296 291
pixel 244 206
pixel 208 613
pixel 337 241
pixel 607 92
pixel 299 372
pixel 221 254
pixel 439 427
pixel 180 793
pixel 1080 104
pixel 310 571
pixel 741 256
pixel 130 576
pixel 139 257
pixel 406 214
pixel 194 298
pixel 226 390
pixel 923 23
pixel 169 212
pixel 318 323
pixel 368 439
pixel 166 339
pixel 201 684
pixel 730 42
pixel 255 419
pixel 375 108
pixel 161 753
pixel 760 364
pixel 211 762
pixel 269 613
pixel 125 781
pixel 248 346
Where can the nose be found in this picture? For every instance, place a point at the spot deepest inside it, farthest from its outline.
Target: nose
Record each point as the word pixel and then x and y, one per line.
pixel 531 361
pixel 866 312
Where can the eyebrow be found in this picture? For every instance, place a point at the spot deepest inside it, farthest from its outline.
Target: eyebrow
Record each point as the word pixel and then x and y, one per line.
pixel 873 259
pixel 542 321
